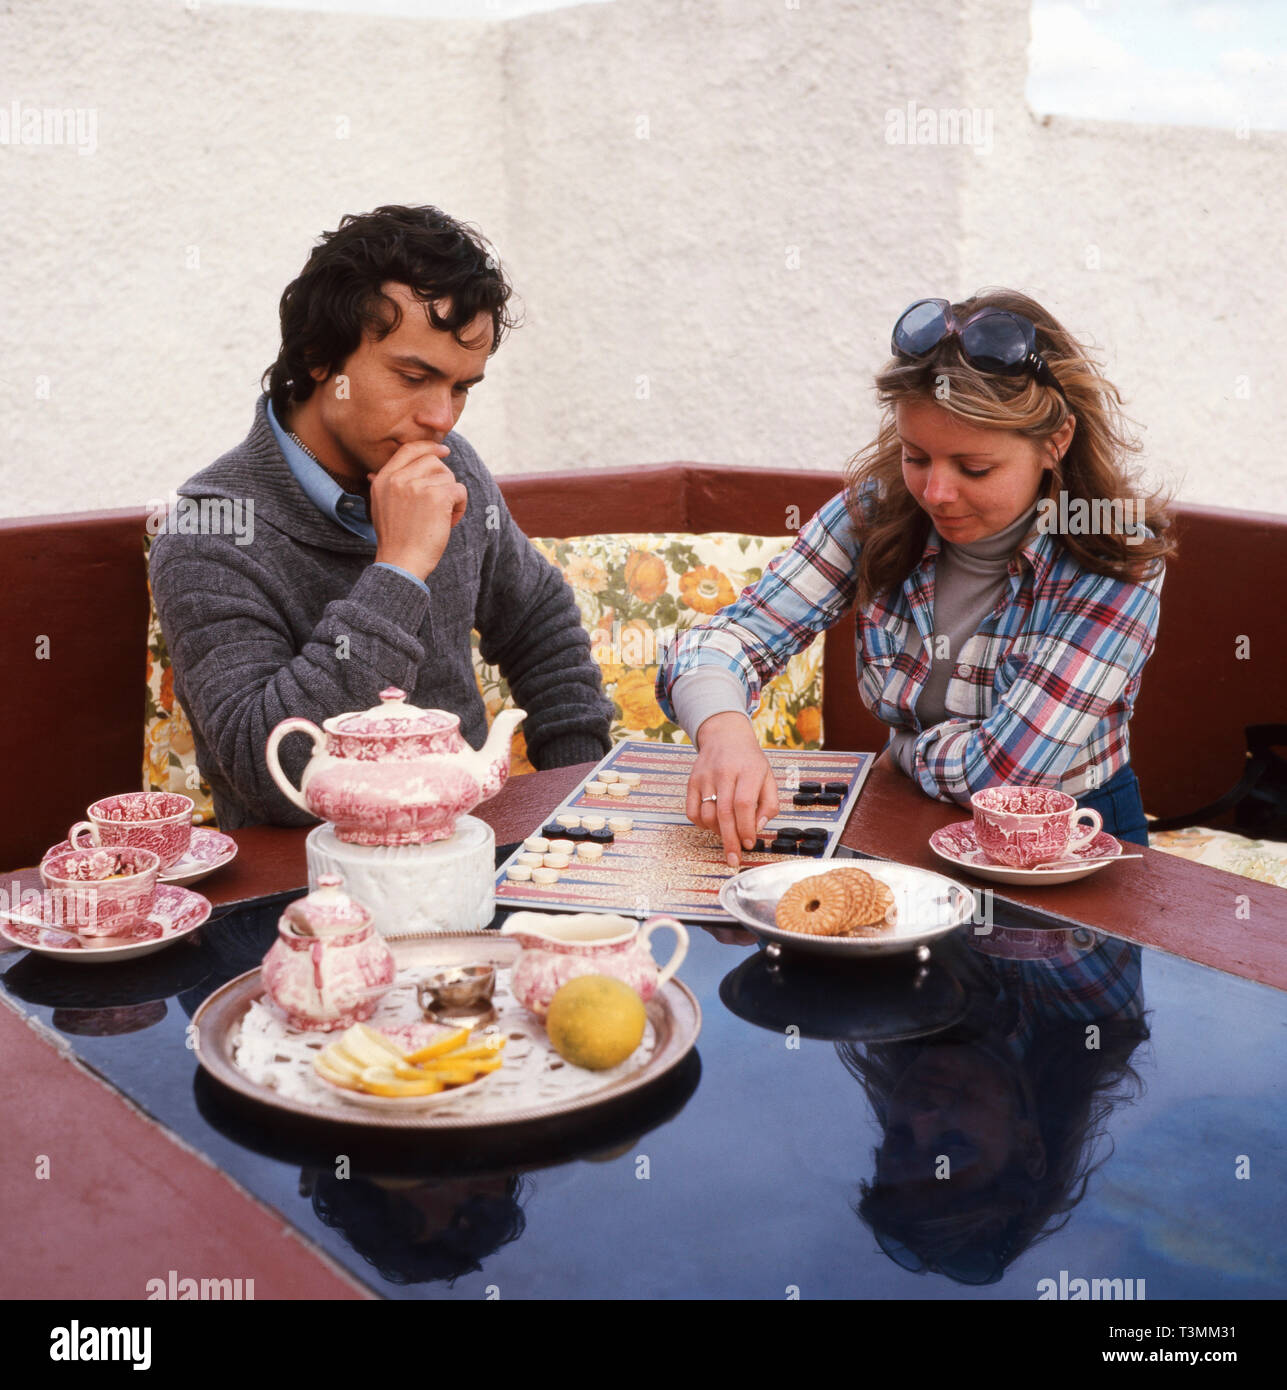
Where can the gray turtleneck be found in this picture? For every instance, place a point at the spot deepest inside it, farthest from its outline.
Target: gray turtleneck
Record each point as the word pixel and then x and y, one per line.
pixel 970 579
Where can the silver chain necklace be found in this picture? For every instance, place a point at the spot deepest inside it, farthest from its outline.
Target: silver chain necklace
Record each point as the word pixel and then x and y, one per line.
pixel 348 484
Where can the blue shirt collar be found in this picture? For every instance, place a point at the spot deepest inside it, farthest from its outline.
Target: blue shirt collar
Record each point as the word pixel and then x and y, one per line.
pixel 344 508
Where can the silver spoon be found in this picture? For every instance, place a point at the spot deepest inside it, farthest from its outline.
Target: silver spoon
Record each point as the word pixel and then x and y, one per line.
pixel 1070 863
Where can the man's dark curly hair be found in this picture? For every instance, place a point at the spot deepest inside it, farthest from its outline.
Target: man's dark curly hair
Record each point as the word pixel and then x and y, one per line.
pixel 336 298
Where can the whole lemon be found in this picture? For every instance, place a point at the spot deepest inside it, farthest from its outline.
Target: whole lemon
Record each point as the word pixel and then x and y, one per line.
pixel 595 1022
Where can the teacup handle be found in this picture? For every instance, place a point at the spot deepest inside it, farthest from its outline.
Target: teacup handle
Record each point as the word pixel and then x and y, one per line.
pixel 681 945
pixel 77 828
pixel 1081 838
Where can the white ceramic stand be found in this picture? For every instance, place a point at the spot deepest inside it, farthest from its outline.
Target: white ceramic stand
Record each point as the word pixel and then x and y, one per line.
pixel 446 886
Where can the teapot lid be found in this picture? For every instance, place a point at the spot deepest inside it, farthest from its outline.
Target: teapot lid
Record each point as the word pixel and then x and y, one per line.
pixel 327 911
pixel 393 717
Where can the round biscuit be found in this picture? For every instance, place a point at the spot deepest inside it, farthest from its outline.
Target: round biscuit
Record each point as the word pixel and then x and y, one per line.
pixel 820 905
pixel 877 925
pixel 864 890
pixel 873 912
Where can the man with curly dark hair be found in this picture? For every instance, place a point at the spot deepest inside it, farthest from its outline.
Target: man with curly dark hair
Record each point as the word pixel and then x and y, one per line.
pixel 379 539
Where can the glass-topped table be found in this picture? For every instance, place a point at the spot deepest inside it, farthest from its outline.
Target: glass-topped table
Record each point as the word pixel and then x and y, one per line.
pixel 1026 1109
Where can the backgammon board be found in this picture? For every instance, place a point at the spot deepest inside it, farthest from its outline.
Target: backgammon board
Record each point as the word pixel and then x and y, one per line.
pixel 645 858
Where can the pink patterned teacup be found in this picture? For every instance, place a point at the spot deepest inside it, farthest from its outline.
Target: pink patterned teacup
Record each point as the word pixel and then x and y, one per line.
pixel 102 892
pixel 1026 826
pixel 159 821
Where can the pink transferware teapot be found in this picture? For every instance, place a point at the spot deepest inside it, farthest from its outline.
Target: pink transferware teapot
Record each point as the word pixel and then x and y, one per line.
pixel 557 947
pixel 395 774
pixel 329 967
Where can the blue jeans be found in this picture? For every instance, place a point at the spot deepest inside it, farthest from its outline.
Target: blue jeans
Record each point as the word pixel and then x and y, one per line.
pixel 1119 802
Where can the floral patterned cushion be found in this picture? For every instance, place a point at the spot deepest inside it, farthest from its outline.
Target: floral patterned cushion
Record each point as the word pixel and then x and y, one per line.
pixel 634 592
pixel 169 762
pixel 1265 860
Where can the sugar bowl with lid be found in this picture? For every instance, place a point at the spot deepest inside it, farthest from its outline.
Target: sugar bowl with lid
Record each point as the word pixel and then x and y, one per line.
pixel 329 967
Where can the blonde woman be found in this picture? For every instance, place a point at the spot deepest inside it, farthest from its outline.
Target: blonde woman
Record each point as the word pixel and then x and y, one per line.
pixel 1005 568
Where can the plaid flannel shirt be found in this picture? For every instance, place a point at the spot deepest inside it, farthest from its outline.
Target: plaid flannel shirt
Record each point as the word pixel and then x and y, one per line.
pixel 1041 694
pixel 1090 978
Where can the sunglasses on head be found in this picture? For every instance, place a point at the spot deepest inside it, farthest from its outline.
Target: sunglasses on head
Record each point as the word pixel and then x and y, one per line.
pixel 973 1266
pixel 997 341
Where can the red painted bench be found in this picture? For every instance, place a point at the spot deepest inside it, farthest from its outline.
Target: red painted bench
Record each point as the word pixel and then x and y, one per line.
pixel 72 704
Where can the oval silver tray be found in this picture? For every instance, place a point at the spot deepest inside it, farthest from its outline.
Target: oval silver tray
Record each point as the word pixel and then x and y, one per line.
pixel 673 1012
pixel 929 905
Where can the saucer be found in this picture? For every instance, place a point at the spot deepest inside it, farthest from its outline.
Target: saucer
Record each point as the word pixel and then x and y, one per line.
pixel 209 850
pixel 176 913
pixel 956 844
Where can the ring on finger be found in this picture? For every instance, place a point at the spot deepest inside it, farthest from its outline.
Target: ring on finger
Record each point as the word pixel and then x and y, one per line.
pixel 712 797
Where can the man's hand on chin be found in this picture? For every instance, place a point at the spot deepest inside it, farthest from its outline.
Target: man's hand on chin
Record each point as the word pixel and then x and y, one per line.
pixel 415 501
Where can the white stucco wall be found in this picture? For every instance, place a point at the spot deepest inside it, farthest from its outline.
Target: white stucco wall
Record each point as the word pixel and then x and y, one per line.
pixel 1157 243
pixel 709 231
pixel 222 130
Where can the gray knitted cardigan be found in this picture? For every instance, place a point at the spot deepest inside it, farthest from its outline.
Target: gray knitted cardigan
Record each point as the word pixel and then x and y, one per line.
pixel 300 622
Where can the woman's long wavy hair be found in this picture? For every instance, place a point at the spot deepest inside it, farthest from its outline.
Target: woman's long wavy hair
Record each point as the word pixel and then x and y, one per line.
pixel 1069 1089
pixel 893 528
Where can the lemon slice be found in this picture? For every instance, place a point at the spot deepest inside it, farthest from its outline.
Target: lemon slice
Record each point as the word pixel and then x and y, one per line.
pixel 487 1052
pixel 462 1073
pixel 360 1044
pixel 403 1072
pixel 439 1048
pixel 379 1040
pixel 376 1081
pixel 336 1076
pixel 343 1063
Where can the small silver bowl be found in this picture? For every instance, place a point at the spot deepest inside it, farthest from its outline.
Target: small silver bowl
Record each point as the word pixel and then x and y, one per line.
pixel 460 994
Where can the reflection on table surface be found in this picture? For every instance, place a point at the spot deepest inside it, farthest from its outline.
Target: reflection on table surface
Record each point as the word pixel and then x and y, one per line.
pixel 1021 1104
